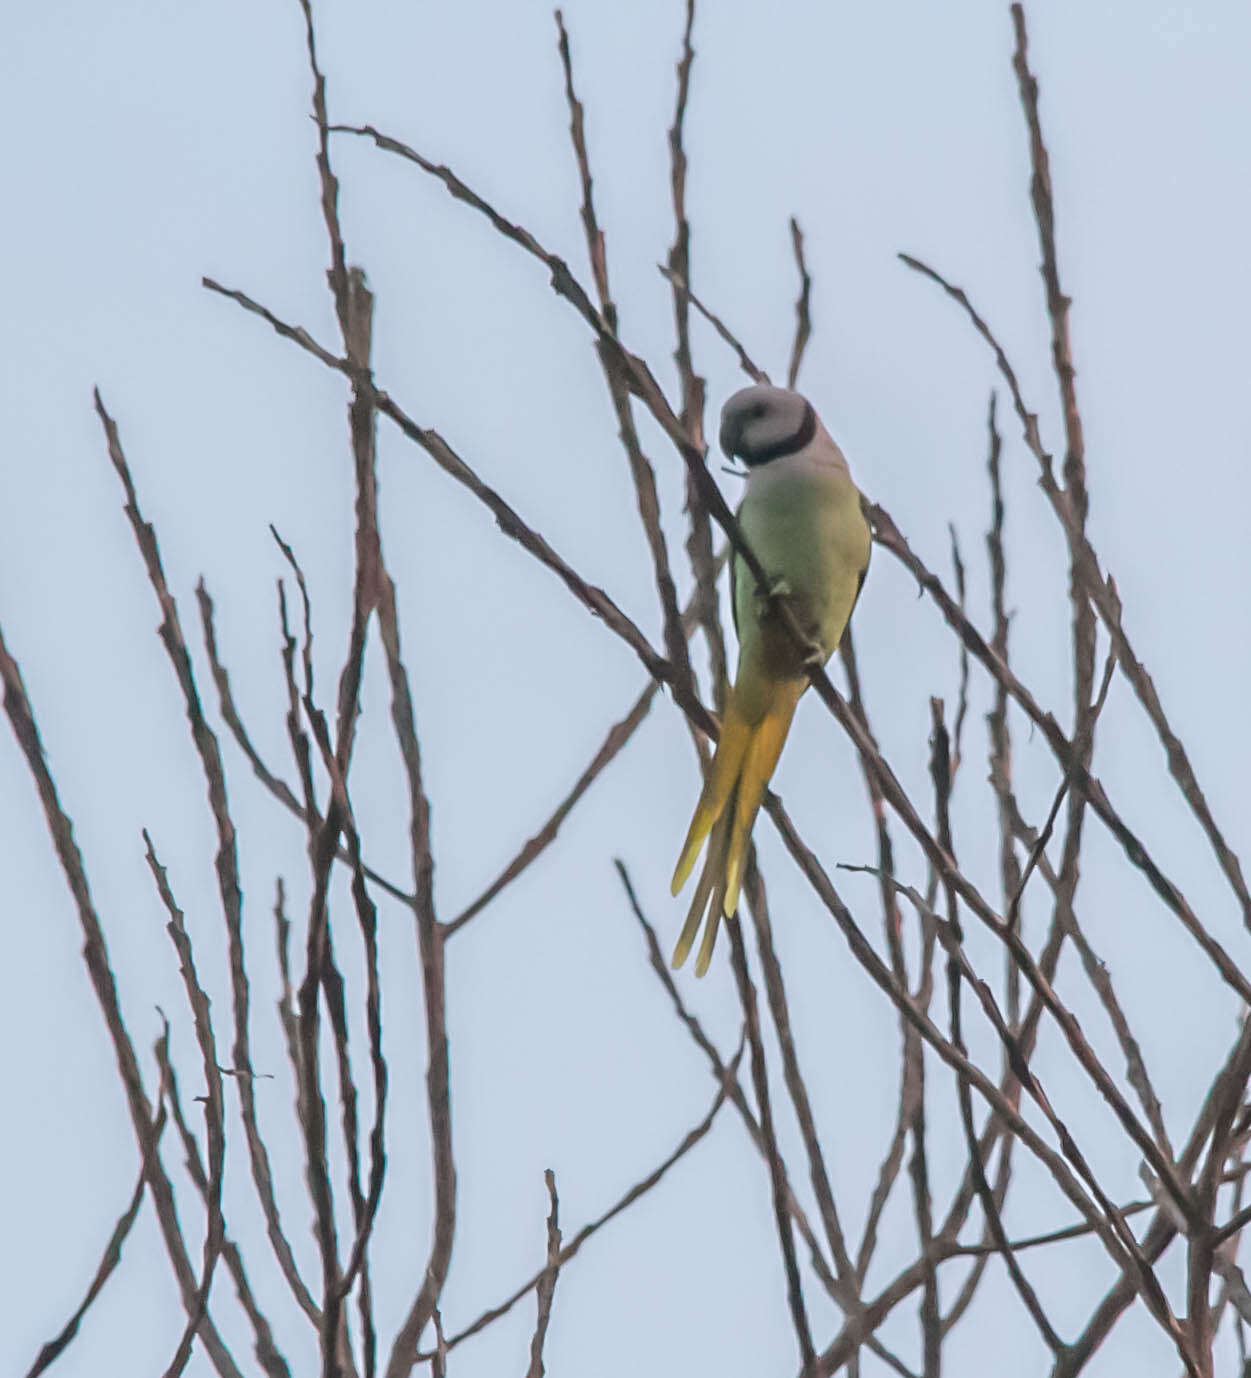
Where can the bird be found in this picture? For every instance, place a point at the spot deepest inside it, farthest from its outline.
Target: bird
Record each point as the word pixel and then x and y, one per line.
pixel 801 517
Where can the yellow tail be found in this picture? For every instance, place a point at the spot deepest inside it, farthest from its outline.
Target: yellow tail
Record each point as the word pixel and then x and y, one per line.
pixel 747 754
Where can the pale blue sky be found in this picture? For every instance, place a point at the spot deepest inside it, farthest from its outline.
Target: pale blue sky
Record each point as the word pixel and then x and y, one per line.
pixel 147 145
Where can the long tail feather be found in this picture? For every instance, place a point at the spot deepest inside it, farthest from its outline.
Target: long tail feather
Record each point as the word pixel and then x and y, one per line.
pixel 707 879
pixel 715 909
pixel 759 764
pixel 747 754
pixel 735 738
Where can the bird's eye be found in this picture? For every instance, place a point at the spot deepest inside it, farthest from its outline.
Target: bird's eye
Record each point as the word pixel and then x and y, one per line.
pixel 758 410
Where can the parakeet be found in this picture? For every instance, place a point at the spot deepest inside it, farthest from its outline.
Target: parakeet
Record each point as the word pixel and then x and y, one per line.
pixel 801 517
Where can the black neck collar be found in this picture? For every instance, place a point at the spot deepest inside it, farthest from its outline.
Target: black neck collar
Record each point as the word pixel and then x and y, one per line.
pixel 807 430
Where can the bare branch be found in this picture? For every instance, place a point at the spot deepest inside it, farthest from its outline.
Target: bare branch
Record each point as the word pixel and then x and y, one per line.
pixel 745 362
pixel 641 471
pixel 430 941
pixel 775 993
pixel 1102 592
pixel 639 1189
pixel 760 1080
pixel 887 534
pixel 214 1106
pixel 985 1195
pixel 803 318
pixel 267 1353
pixel 109 1261
pixel 95 954
pixel 545 1289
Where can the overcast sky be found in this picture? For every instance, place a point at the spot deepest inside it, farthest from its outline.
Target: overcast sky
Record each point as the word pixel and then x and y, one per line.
pixel 147 145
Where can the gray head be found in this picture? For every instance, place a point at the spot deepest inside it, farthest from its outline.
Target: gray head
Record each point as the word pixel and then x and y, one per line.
pixel 762 423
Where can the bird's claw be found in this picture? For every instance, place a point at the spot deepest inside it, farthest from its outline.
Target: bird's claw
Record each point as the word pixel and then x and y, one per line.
pixel 778 588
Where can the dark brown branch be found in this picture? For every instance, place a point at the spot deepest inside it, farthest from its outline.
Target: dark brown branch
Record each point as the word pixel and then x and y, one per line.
pixel 962 696
pixel 777 1172
pixel 430 943
pixel 545 1289
pixel 320 973
pixel 692 385
pixel 329 182
pixel 617 738
pixel 902 999
pixel 274 783
pixel 658 963
pixel 1097 973
pixel 1057 303
pixel 267 1353
pixel 594 599
pixel 911 1071
pixel 563 281
pixel 641 470
pixel 365 1206
pixel 942 771
pixel 1080 756
pixel 1102 591
pixel 639 1189
pixel 1162 1230
pixel 640 381
pixel 803 318
pixel 285 1002
pixel 109 1260
pixel 745 361
pixel 997 720
pixel 95 954
pixel 987 1197
pixel 970 896
pixel 1075 492
pixel 214 1105
pixel 356 310
pixel 887 534
pixel 775 994
pixel 1149 1285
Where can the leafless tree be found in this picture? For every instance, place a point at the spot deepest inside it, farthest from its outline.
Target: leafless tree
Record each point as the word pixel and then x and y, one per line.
pixel 1192 1201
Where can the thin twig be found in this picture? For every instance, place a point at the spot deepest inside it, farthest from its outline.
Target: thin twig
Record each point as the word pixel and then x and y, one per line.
pixel 267 1353
pixel 803 318
pixel 214 1105
pixel 109 1260
pixel 993 1219
pixel 615 741
pixel 775 994
pixel 641 470
pixel 229 709
pixel 1102 591
pixel 545 1289
pixel 430 942
pixel 639 1189
pixel 760 1080
pixel 745 361
pixel 887 534
pixel 95 954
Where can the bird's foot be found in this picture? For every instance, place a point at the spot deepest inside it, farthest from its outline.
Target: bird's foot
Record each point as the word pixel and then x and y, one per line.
pixel 814 658
pixel 778 588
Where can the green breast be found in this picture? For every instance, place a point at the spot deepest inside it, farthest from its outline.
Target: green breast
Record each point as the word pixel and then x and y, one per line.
pixel 806 528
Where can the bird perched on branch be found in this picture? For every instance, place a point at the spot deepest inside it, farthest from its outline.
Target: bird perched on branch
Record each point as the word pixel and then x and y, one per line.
pixel 801 518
